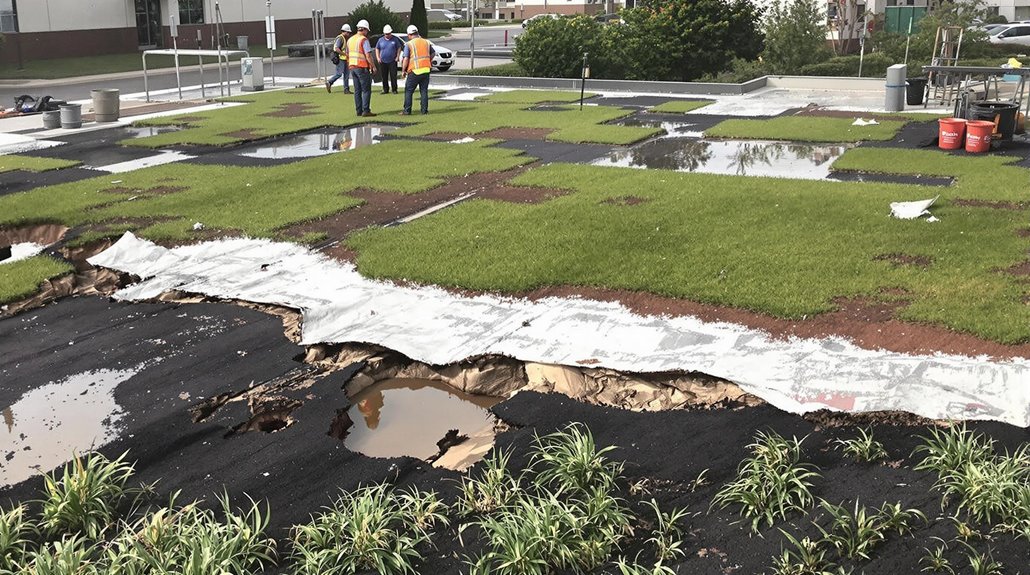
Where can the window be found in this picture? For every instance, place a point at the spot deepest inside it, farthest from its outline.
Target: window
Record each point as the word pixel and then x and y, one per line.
pixel 8 16
pixel 191 11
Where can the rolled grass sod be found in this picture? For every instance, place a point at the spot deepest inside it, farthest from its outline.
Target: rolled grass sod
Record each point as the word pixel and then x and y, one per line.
pixel 680 106
pixel 33 164
pixel 804 129
pixel 21 279
pixel 164 202
pixel 787 248
pixel 290 111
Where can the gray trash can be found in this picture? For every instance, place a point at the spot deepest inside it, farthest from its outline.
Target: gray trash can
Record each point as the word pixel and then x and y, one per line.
pixel 71 116
pixel 106 105
pixel 52 119
pixel 895 88
pixel 242 42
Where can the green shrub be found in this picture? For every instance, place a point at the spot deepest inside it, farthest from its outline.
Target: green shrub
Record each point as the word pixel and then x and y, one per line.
pixel 553 48
pixel 874 65
pixel 740 71
pixel 378 15
pixel 510 69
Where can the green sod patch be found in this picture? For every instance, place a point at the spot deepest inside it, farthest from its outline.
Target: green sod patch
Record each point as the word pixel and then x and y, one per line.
pixel 289 111
pixel 680 106
pixel 804 129
pixel 787 248
pixel 532 97
pixel 164 202
pixel 33 164
pixel 21 279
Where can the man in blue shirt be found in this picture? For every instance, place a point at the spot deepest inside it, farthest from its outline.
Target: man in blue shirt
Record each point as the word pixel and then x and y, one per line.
pixel 388 51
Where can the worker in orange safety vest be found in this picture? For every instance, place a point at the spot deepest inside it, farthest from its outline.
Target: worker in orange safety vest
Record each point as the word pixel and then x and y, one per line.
pixel 416 63
pixel 362 65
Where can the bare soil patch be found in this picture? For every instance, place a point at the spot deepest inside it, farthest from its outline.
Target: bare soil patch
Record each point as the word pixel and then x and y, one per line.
pixel 900 259
pixel 1000 205
pixel 1023 233
pixel 1020 269
pixel 625 201
pixel 291 110
pixel 384 207
pixel 41 234
pixel 520 195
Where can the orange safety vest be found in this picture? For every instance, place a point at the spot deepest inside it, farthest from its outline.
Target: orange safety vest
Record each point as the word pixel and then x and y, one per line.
pixel 342 41
pixel 356 52
pixel 419 59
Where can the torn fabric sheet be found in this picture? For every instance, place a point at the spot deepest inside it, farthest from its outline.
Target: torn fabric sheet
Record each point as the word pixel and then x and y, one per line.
pixel 864 122
pixel 432 325
pixel 22 251
pixel 913 210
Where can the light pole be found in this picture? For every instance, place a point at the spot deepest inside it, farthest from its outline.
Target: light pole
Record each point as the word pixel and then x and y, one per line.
pixel 270 30
pixel 472 46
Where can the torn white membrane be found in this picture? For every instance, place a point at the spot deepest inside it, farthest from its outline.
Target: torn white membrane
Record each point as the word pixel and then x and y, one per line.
pixel 437 327
pixel 864 122
pixel 23 251
pixel 913 210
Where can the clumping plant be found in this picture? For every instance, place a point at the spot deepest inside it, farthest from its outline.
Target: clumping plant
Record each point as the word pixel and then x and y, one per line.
pixel 802 557
pixel 990 488
pixel 568 518
pixel 494 489
pixel 570 459
pixel 853 535
pixel 771 483
pixel 627 568
pixel 863 448
pixel 192 540
pixel 369 529
pixel 16 531
pixel 983 563
pixel 952 448
pixel 71 555
pixel 935 562
pixel 667 535
pixel 85 496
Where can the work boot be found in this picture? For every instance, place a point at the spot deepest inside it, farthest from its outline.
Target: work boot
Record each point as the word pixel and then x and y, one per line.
pixel 368 115
pixel 328 87
pixel 347 91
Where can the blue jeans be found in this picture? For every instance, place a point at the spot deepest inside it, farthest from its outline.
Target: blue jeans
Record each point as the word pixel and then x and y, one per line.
pixel 422 82
pixel 341 72
pixel 362 90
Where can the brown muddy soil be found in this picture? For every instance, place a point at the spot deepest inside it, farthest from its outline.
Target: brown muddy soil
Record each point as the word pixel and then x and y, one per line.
pixel 999 205
pixel 520 194
pixel 625 201
pixel 899 259
pixel 291 110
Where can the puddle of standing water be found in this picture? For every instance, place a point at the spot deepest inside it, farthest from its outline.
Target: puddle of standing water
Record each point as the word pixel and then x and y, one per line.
pixel 407 417
pixel 673 129
pixel 733 157
pixel 148 131
pixel 318 144
pixel 47 425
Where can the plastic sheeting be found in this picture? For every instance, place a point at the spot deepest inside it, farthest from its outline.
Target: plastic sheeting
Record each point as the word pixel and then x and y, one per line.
pixel 434 326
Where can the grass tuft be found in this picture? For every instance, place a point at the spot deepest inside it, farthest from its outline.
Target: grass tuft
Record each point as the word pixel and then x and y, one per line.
pixel 11 163
pixel 84 497
pixel 21 279
pixel 863 448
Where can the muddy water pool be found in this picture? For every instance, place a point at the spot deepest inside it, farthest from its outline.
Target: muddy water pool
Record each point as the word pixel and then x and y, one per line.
pixel 408 417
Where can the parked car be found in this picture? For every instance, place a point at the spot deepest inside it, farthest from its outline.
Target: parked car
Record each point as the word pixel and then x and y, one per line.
pixel 440 15
pixel 443 60
pixel 527 21
pixel 608 18
pixel 1011 34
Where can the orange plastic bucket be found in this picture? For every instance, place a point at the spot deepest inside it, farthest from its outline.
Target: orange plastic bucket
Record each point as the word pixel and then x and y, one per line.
pixel 978 136
pixel 951 133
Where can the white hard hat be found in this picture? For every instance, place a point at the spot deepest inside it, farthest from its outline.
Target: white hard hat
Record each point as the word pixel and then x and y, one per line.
pixel 413 29
pixel 345 28
pixel 363 24
pixel 387 29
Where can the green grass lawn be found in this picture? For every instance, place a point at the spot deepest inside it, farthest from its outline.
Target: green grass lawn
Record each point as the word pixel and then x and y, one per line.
pixel 680 106
pixel 804 129
pixel 222 127
pixel 21 279
pixel 776 246
pixel 253 201
pixel 33 164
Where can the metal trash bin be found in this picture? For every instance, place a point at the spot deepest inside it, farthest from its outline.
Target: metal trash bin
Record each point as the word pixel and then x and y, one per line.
pixel 71 116
pixel 895 88
pixel 242 42
pixel 51 119
pixel 1003 114
pixel 106 105
pixel 253 72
